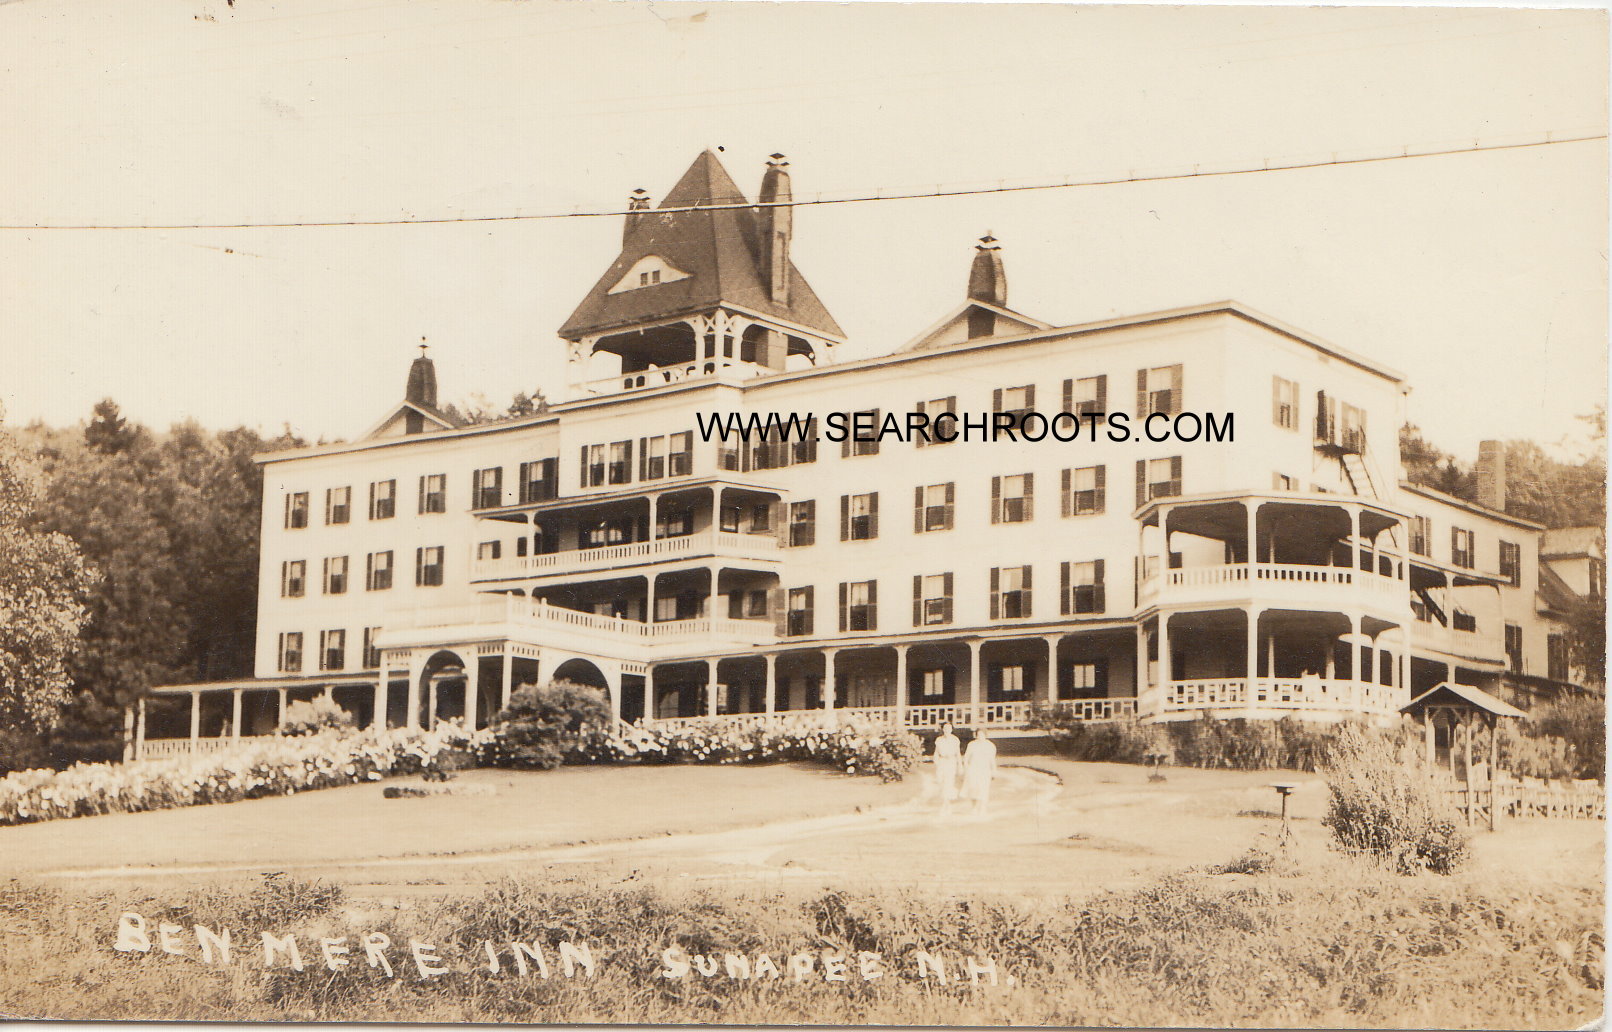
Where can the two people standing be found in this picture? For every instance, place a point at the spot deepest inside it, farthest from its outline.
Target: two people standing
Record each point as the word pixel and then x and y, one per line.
pixel 977 767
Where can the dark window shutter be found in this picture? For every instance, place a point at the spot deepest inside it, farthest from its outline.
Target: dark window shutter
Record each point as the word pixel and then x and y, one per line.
pixel 778 604
pixel 873 515
pixel 1175 390
pixel 1029 396
pixel 845 593
pixel 996 593
pixel 918 510
pixel 917 600
pixel 951 501
pixel 626 459
pixel 1029 496
pixel 811 608
pixel 873 605
pixel 583 467
pixel 845 517
pixel 1141 482
pixel 947 588
pixel 1066 506
pixel 1025 606
pixel 996 400
pixel 996 499
pixel 1098 479
pixel 1141 394
pixel 1069 395
pixel 1175 474
pixel 1102 393
pixel 1102 592
pixel 1063 589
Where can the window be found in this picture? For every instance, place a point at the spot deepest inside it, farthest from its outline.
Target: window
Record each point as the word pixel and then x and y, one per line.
pixel 1087 680
pixel 673 523
pixel 490 550
pixel 802 524
pixel 1514 648
pixel 1158 390
pixel 859 606
pixel 1354 429
pixel 932 600
pixel 1285 403
pixel 336 575
pixel 933 410
pixel 608 532
pixel 1086 397
pixel 434 493
pixel 933 508
pixel 744 605
pixel 649 279
pixel 1283 482
pixel 291 652
pixel 593 465
pixel 1009 678
pixel 296 510
pixel 378 575
pixel 861 434
pixel 1462 620
pixel 798 619
pixel 1010 592
pixel 1013 498
pixel 1462 549
pixel 651 458
pixel 338 505
pixel 428 567
pixel 1421 535
pixel 293 578
pixel 620 471
pixel 1157 478
pixel 332 650
pixel 1326 418
pixel 680 459
pixel 487 488
pixel 1511 562
pixel 676 607
pixel 804 449
pixel 1017 402
pixel 760 518
pixel 1082 588
pixel 729 521
pixel 1556 657
pixel 932 683
pixel 383 499
pixel 1084 490
pixel 859 517
pixel 540 480
pixel 372 653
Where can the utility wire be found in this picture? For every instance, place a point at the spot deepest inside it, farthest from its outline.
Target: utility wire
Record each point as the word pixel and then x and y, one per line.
pixel 1198 172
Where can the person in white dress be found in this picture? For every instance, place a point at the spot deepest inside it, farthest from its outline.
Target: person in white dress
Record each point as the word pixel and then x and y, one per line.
pixel 979 768
pixel 948 750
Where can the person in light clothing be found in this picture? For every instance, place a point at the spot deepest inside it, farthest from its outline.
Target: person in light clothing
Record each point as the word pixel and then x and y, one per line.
pixel 979 768
pixel 948 750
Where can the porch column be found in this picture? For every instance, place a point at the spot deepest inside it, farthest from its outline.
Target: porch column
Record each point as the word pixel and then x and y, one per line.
pixel 195 719
pixel 649 693
pixel 1052 669
pixel 1354 531
pixel 412 717
pixel 654 505
pixel 1252 509
pixel 383 686
pixel 1430 751
pixel 1355 662
pixel 472 690
pixel 1493 720
pixel 976 680
pixel 901 686
pixel 828 678
pixel 1143 687
pixel 1252 646
pixel 771 659
pixel 710 687
pixel 140 729
pixel 649 597
pixel 279 714
pixel 1466 747
pixel 1166 675
pixel 615 696
pixel 711 610
pixel 235 714
pixel 508 669
pixel 128 733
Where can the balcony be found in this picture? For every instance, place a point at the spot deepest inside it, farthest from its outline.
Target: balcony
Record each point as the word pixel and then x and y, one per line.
pixel 517 618
pixel 1300 696
pixel 1302 585
pixel 922 718
pixel 722 544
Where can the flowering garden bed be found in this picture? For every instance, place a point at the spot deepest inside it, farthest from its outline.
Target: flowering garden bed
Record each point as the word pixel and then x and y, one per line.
pixel 274 766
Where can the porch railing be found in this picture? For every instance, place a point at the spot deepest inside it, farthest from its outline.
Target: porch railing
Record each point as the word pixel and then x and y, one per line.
pixel 166 748
pixel 926 717
pixel 1276 693
pixel 581 559
pixel 1192 577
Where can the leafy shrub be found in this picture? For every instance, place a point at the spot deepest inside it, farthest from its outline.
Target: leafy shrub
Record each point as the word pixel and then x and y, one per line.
pixel 1238 744
pixel 542 724
pixel 853 745
pixel 321 713
pixel 1580 722
pixel 1384 804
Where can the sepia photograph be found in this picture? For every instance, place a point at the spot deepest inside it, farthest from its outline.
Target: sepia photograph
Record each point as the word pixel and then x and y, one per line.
pixel 527 512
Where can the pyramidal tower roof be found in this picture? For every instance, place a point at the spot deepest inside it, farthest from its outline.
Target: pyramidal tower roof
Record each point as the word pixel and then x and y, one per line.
pixel 719 252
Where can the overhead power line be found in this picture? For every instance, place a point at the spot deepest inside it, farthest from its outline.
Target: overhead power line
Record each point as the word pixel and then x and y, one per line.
pixel 1336 158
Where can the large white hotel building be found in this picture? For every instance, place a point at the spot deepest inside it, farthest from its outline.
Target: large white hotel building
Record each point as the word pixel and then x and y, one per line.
pixel 419 572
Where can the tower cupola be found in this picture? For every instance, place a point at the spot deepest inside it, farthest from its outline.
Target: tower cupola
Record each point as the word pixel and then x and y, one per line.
pixel 422 386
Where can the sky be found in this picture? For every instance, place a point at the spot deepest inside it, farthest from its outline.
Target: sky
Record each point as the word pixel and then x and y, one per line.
pixel 1481 276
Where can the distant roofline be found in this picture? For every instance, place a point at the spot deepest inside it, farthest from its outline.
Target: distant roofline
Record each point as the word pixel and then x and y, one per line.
pixel 1472 507
pixel 340 447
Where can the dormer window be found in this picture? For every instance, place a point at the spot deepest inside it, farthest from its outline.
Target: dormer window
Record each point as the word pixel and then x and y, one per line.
pixel 649 271
pixel 649 278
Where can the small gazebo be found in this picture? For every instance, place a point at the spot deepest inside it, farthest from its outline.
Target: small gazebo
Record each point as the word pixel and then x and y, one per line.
pixel 1460 708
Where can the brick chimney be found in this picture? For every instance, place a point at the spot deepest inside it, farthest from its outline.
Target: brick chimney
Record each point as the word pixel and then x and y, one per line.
pixel 1491 474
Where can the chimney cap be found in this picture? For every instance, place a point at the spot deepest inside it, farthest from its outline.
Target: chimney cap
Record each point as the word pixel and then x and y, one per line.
pixel 777 161
pixel 988 243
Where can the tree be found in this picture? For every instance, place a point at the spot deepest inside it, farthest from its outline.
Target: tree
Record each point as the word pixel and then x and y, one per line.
pixel 108 432
pixel 480 411
pixel 43 585
pixel 1429 466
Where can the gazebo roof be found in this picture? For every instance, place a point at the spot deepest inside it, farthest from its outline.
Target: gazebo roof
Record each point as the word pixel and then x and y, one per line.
pixel 1448 694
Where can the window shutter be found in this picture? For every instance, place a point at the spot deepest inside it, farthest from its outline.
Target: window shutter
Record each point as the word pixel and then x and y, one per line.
pixel 1026 608
pixel 1102 393
pixel 1141 394
pixel 583 468
pixel 1066 506
pixel 778 605
pixel 918 510
pixel 996 400
pixel 419 566
pixel 951 500
pixel 917 600
pixel 996 593
pixel 1141 482
pixel 996 499
pixel 845 591
pixel 1276 400
pixel 873 515
pixel 811 608
pixel 643 460
pixel 1175 474
pixel 1069 395
pixel 1063 589
pixel 1175 390
pixel 1029 396
pixel 947 588
pixel 1098 480
pixel 873 605
pixel 779 513
pixel 1101 592
pixel 1029 496
pixel 845 518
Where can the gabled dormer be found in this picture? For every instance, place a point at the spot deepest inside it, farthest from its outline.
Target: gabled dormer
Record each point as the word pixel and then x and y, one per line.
pixel 985 313
pixel 649 271
pixel 418 412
